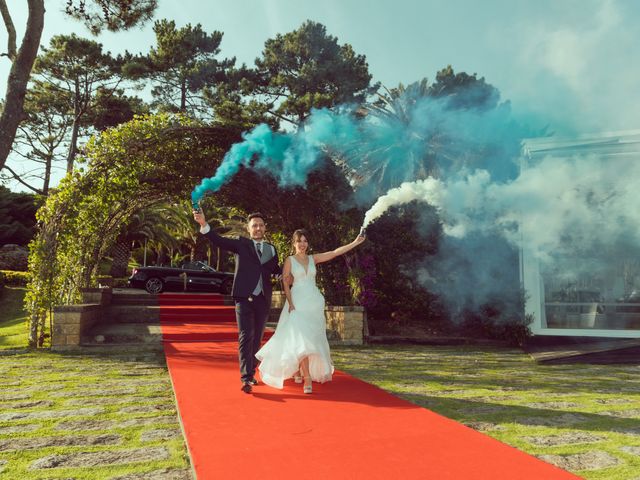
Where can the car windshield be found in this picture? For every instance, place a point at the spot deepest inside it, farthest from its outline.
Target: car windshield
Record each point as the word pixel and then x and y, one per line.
pixel 198 266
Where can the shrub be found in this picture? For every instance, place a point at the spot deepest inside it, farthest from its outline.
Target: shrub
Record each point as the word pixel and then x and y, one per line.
pixel 499 320
pixel 394 299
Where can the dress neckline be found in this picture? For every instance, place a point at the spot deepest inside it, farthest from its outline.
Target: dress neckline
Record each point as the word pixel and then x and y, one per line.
pixel 306 269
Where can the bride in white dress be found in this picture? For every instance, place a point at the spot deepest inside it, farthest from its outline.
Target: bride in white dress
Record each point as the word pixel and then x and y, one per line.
pixel 299 344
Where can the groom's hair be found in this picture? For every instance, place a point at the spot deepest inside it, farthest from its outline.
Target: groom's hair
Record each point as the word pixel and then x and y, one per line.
pixel 256 215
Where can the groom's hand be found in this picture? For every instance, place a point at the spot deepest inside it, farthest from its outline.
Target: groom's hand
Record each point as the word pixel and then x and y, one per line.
pixel 198 216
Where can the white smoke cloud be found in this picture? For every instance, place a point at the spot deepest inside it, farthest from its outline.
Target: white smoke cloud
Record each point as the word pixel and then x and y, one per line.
pixel 555 205
pixel 428 190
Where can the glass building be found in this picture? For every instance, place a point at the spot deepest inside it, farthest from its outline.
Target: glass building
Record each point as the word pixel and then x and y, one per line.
pixel 594 294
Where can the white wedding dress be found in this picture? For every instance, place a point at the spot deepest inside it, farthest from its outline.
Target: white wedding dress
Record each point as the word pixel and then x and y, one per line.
pixel 299 334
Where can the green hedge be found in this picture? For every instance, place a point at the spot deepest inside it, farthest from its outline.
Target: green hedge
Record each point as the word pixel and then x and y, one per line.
pixel 14 278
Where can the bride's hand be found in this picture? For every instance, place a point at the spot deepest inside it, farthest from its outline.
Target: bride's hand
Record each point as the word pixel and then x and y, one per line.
pixel 359 239
pixel 291 308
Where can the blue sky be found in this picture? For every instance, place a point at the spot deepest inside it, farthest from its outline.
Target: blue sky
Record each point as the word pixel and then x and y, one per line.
pixel 570 63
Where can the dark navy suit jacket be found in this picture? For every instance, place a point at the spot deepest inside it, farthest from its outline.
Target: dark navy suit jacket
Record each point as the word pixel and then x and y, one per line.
pixel 248 265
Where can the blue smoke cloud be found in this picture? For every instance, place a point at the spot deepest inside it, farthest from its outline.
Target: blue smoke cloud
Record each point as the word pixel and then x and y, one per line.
pixel 380 150
pixel 488 205
pixel 288 157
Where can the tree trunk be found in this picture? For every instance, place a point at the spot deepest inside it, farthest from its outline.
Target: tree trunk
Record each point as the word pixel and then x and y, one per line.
pixel 42 333
pixel 74 129
pixel 47 175
pixel 183 96
pixel 33 330
pixel 11 30
pixel 160 256
pixel 72 146
pixel 120 252
pixel 13 111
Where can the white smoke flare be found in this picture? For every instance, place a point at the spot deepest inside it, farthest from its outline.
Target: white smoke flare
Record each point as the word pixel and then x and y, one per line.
pixel 428 190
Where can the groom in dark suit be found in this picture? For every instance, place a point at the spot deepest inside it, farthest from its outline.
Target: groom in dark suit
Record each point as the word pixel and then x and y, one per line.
pixel 256 260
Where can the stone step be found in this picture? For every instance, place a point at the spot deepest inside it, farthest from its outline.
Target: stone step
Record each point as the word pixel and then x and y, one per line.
pixel 150 300
pixel 131 314
pixel 151 313
pixel 119 334
pixel 203 314
pixel 198 318
pixel 115 348
pixel 140 297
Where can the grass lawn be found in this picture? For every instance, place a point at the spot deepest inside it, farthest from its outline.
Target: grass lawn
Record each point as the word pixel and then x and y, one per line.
pixel 53 407
pixel 583 418
pixel 13 318
pixel 89 417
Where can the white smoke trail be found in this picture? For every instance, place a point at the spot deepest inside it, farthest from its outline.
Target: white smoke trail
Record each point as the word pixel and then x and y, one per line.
pixel 555 206
pixel 428 190
pixel 455 200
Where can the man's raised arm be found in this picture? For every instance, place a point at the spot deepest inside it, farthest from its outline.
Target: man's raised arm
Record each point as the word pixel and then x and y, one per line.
pixel 225 243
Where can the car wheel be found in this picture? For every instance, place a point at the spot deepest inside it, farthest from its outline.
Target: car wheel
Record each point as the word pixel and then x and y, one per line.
pixel 226 286
pixel 154 285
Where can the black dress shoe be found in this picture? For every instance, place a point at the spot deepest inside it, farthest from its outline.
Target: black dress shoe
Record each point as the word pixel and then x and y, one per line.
pixel 246 387
pixel 254 382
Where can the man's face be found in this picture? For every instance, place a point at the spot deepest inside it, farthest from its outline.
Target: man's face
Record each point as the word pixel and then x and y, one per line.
pixel 256 228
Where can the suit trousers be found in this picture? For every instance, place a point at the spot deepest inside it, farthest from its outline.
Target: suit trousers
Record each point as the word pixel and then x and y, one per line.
pixel 251 316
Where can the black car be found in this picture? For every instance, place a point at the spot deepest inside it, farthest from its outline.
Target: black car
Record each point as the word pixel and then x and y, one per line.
pixel 191 277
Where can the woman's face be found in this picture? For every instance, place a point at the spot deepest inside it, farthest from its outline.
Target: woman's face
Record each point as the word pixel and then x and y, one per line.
pixel 301 245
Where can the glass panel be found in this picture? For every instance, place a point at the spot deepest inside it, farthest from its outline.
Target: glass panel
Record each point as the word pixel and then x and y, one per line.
pixel 590 293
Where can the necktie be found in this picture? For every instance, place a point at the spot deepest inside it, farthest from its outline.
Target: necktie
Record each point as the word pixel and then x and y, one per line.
pixel 259 249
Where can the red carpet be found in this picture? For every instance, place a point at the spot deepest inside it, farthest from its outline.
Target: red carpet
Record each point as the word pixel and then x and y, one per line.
pixel 347 429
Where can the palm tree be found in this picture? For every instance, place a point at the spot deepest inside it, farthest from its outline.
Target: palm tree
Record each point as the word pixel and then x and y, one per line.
pixel 148 224
pixel 169 230
pixel 233 224
pixel 186 232
pixel 182 228
pixel 392 146
pixel 419 130
pixel 138 226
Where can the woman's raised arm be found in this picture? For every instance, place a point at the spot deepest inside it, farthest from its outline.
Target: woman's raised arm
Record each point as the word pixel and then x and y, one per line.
pixel 326 256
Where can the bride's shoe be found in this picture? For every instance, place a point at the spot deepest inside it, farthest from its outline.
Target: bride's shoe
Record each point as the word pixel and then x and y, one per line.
pixel 297 377
pixel 307 388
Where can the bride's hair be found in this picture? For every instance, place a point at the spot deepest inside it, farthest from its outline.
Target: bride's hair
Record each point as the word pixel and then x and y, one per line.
pixel 297 235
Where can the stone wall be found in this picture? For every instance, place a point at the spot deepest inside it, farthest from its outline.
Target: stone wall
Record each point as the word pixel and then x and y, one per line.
pixel 345 325
pixel 101 295
pixel 277 302
pixel 70 322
